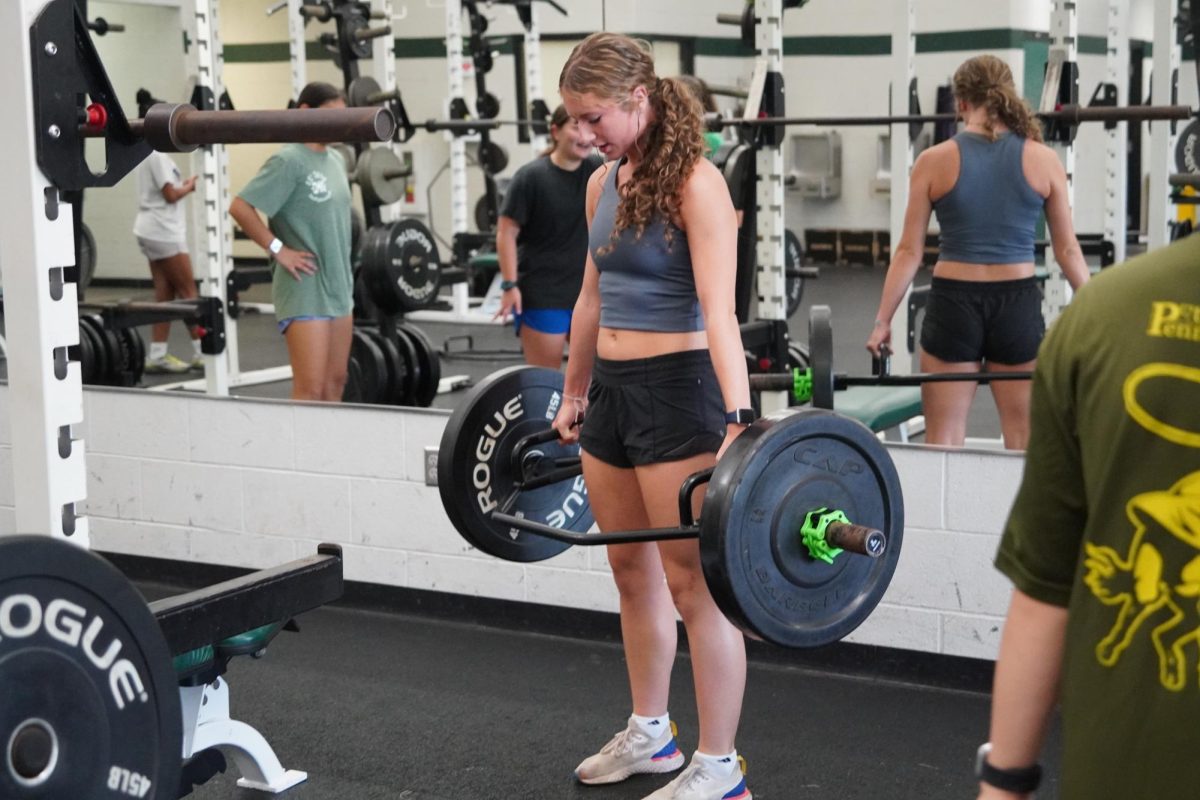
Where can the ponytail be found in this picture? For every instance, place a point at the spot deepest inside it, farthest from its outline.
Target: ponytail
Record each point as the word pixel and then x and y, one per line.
pixel 987 82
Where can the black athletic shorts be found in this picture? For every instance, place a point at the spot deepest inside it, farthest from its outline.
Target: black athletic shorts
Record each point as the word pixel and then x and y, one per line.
pixel 991 321
pixel 647 410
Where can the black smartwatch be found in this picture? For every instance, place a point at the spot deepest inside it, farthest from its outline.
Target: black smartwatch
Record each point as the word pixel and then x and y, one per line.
pixel 1017 781
pixel 506 285
pixel 740 416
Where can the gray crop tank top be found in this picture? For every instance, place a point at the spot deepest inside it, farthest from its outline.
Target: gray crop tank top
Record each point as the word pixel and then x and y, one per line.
pixel 644 285
pixel 991 214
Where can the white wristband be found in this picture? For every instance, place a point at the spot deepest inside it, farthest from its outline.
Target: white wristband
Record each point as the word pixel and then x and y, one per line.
pixel 275 246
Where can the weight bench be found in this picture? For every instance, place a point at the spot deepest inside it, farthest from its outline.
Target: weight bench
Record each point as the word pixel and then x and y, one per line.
pixel 204 699
pixel 882 407
pixel 253 604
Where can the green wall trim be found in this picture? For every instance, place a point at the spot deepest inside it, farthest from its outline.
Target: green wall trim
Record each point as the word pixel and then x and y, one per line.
pixel 721 47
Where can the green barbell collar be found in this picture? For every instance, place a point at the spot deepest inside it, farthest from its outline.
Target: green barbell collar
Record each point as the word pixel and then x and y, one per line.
pixel 812 533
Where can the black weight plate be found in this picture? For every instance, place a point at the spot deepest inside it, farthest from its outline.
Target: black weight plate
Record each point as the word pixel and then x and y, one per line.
pixel 90 701
pixel 357 228
pixel 474 471
pixel 131 368
pixel 431 365
pixel 397 368
pixel 403 273
pixel 793 259
pixel 758 571
pixel 352 392
pixel 488 105
pixel 371 366
pixel 351 24
pixel 820 348
pixel 96 348
pixel 87 359
pixel 139 353
pixel 393 375
pixel 360 89
pixel 364 307
pixel 87 258
pixel 116 353
pixel 101 351
pixel 412 363
pixel 1187 149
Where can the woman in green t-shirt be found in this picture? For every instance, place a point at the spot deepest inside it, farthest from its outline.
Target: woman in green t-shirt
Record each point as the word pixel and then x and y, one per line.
pixel 303 191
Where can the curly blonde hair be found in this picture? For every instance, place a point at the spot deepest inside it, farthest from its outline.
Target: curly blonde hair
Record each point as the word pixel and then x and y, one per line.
pixel 987 82
pixel 610 66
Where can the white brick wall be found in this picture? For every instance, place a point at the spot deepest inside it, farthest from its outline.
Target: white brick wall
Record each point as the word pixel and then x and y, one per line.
pixel 254 483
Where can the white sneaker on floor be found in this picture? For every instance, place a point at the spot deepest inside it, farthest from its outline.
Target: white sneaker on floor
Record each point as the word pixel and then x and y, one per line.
pixel 197 363
pixel 700 782
pixel 166 364
pixel 631 752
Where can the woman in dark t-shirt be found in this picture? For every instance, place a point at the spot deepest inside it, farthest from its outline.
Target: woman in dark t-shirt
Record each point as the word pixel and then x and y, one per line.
pixel 541 242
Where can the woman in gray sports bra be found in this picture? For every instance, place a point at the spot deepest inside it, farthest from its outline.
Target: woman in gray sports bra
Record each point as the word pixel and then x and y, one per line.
pixel 656 361
pixel 989 185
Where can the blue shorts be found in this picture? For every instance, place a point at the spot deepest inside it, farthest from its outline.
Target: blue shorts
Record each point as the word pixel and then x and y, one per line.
pixel 544 320
pixel 284 323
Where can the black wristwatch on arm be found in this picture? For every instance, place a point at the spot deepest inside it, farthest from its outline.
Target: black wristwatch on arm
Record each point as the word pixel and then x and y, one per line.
pixel 1018 781
pixel 740 416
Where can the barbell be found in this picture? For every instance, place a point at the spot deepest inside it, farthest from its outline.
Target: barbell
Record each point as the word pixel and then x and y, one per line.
pixel 1066 115
pixel 800 527
pixel 181 128
pixel 818 381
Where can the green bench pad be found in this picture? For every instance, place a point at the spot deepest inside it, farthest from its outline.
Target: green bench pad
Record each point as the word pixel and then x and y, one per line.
pixel 485 261
pixel 240 645
pixel 879 407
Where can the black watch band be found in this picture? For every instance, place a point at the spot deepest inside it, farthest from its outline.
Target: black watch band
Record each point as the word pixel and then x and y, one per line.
pixel 506 285
pixel 1018 781
pixel 740 416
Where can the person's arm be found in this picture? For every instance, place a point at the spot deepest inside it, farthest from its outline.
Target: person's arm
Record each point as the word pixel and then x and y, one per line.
pixel 1067 252
pixel 908 253
pixel 585 329
pixel 507 231
pixel 711 227
pixel 296 262
pixel 1039 552
pixel 173 193
pixel 1025 687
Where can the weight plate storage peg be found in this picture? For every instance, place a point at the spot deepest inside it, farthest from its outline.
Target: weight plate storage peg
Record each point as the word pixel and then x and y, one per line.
pixel 89 703
pixel 476 474
pixel 756 562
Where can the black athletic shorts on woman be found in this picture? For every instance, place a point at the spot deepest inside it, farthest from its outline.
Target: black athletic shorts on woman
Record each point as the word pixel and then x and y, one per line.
pixel 646 410
pixel 992 321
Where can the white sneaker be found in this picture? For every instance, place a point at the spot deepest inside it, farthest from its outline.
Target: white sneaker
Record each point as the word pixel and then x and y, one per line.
pixel 697 782
pixel 197 363
pixel 167 363
pixel 630 752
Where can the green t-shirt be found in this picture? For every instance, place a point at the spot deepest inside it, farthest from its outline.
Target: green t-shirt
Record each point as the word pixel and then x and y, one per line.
pixel 1107 523
pixel 713 141
pixel 306 197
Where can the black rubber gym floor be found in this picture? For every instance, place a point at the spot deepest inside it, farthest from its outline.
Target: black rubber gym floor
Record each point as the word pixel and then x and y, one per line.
pixel 379 706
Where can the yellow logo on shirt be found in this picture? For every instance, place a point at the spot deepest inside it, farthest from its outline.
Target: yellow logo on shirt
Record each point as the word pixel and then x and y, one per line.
pixel 1171 320
pixel 1161 428
pixel 1156 584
